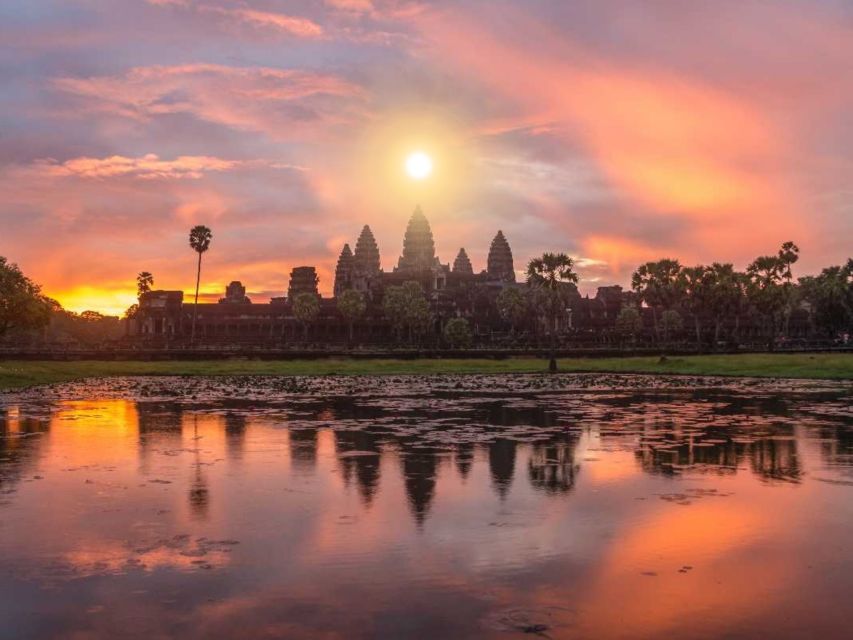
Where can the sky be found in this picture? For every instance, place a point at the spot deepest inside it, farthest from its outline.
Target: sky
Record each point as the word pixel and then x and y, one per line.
pixel 617 132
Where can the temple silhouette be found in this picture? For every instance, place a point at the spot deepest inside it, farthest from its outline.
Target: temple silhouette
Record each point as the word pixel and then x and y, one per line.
pixel 452 291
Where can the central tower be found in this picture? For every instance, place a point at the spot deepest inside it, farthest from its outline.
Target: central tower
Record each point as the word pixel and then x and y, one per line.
pixel 418 245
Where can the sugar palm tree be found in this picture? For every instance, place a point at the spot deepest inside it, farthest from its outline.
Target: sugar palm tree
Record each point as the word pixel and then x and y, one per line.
pixel 351 306
pixel 306 307
pixel 144 282
pixel 549 274
pixel 200 237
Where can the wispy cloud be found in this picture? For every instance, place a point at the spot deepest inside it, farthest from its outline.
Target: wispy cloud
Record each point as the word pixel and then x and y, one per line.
pixel 148 167
pixel 253 98
pixel 291 25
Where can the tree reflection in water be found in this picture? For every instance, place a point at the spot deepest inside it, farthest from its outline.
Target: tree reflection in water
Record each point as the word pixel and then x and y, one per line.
pixel 552 467
pixel 199 493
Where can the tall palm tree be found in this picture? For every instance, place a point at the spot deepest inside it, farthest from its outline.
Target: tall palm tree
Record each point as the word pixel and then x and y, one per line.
pixel 200 237
pixel 144 282
pixel 306 307
pixel 548 274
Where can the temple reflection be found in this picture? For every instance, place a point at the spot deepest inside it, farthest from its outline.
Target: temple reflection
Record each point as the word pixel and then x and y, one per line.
pixel 359 457
pixel 419 469
pixel 303 448
pixel 502 464
pixel 666 437
pixel 463 458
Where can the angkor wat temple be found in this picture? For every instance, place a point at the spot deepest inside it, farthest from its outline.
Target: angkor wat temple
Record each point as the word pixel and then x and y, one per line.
pixel 452 291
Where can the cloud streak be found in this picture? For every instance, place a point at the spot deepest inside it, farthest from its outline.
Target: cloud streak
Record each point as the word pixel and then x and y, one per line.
pixel 148 167
pixel 264 99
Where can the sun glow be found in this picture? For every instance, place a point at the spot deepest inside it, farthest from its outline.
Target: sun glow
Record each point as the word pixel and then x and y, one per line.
pixel 419 165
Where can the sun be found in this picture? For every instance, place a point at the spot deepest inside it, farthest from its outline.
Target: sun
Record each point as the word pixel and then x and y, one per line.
pixel 418 165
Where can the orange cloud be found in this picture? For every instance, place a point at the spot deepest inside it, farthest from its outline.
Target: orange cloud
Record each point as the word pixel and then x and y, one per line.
pixel 619 253
pixel 667 143
pixel 147 167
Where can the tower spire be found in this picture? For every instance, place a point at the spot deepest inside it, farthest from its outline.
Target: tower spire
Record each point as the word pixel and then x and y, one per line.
pixel 366 257
pixel 462 264
pixel 343 271
pixel 418 244
pixel 499 265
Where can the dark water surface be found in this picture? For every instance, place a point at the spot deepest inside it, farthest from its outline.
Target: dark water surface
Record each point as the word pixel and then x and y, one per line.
pixel 576 506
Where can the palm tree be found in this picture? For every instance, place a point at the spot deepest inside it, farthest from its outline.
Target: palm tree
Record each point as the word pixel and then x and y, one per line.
pixel 351 306
pixel 658 285
pixel 549 274
pixel 200 237
pixel 144 282
pixel 306 307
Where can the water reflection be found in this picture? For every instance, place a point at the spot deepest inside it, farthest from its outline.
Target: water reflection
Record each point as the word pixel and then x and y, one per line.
pixel 552 467
pixel 303 448
pixel 359 454
pixel 429 513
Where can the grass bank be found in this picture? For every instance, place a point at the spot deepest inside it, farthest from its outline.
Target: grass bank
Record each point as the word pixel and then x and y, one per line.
pixel 18 374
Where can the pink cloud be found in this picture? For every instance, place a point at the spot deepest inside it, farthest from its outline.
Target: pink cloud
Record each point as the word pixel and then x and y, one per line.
pixel 668 143
pixel 295 26
pixel 249 98
pixel 359 6
pixel 147 167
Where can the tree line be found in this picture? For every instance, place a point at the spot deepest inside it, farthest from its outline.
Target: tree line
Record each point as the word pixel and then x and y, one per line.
pixel 711 302
pixel 716 298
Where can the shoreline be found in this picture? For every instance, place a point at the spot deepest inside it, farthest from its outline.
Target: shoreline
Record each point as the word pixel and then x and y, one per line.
pixel 18 374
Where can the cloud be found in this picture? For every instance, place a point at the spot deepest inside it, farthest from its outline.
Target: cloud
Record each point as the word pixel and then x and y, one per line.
pixel 664 141
pixel 148 167
pixel 359 6
pixel 294 26
pixel 280 102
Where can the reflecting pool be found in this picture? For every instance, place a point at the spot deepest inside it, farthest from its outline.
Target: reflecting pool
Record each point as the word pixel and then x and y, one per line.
pixel 569 506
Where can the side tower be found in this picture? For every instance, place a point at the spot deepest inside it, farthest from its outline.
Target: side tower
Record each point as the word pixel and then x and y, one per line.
pixel 499 265
pixel 462 265
pixel 365 263
pixel 366 257
pixel 302 280
pixel 343 271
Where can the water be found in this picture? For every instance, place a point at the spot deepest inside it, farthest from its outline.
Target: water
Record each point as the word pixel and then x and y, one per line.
pixel 412 507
